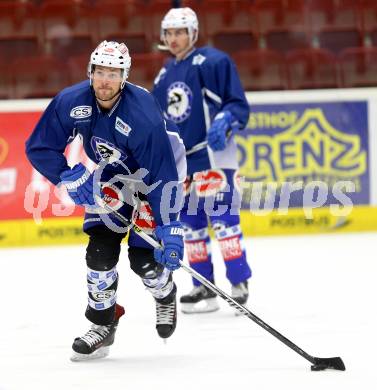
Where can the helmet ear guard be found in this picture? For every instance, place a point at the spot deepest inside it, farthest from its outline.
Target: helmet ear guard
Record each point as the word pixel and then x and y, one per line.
pixel 111 54
pixel 181 18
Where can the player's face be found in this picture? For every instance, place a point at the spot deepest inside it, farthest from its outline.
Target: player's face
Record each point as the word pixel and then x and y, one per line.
pixel 106 83
pixel 178 41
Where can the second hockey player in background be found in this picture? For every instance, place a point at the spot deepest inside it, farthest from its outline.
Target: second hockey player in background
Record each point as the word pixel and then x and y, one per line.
pixel 199 89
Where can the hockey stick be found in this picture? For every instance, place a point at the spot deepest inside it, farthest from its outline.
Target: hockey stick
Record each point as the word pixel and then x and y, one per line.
pixel 318 364
pixel 204 144
pixel 197 147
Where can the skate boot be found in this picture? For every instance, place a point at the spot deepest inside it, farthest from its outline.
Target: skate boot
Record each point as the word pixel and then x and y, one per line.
pixel 166 314
pixel 199 300
pixel 240 292
pixel 95 344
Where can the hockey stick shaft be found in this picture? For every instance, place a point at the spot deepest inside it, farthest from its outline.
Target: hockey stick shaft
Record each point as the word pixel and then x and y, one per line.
pixel 243 310
pixel 203 144
pixel 321 363
pixel 197 147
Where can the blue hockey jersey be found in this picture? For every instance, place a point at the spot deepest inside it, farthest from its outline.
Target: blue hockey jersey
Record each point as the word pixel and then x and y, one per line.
pixel 132 135
pixel 191 92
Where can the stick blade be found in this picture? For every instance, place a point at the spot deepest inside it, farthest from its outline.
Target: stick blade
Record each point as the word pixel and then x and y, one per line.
pixel 334 363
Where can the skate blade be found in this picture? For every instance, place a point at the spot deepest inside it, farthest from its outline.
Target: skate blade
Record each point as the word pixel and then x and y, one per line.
pixel 99 354
pixel 204 306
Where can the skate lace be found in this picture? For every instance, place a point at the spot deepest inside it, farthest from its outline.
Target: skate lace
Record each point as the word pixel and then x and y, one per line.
pixel 96 334
pixel 165 313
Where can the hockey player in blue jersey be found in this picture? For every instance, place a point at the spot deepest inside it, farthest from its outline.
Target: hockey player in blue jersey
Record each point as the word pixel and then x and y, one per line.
pixel 137 152
pixel 201 92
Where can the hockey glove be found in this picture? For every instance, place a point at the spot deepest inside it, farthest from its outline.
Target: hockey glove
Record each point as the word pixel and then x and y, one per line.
pixel 220 130
pixel 171 237
pixel 79 184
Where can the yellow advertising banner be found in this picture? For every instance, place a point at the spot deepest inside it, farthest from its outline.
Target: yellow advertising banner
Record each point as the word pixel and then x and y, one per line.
pixel 60 231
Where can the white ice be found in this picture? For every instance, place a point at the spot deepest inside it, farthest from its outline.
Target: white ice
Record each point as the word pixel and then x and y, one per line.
pixel 319 291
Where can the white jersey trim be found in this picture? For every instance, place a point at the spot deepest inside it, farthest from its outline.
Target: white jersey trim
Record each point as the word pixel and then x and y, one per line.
pixel 174 134
pixel 213 96
pixel 207 119
pixel 227 158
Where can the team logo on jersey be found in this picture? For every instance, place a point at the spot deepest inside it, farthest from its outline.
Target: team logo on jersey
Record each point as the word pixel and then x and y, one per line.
pixel 179 102
pixel 122 127
pixel 80 112
pixel 105 150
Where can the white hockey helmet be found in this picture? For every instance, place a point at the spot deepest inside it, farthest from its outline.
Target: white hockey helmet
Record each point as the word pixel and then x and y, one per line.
pixel 111 54
pixel 181 18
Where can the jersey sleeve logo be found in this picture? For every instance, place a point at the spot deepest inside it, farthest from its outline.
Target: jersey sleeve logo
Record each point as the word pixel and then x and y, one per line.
pixel 80 112
pixel 122 127
pixel 198 59
pixel 179 97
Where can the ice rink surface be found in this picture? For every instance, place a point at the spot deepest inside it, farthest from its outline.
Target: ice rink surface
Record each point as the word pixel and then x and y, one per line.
pixel 319 291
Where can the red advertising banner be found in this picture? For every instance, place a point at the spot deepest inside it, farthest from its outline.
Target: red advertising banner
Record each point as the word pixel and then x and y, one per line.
pixel 31 207
pixel 24 193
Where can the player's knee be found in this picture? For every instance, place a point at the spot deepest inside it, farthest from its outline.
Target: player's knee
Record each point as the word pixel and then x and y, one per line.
pixel 103 250
pixel 142 262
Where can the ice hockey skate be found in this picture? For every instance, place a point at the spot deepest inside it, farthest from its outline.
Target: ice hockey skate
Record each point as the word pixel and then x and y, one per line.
pixel 166 314
pixel 240 293
pixel 96 342
pixel 199 300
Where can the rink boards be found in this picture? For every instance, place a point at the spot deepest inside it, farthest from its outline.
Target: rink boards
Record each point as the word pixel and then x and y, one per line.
pixel 293 137
pixel 59 231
